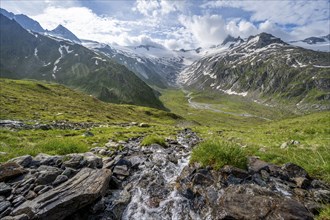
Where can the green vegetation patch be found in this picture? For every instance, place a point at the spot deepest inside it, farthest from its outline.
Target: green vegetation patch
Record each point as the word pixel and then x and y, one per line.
pixel 153 139
pixel 217 153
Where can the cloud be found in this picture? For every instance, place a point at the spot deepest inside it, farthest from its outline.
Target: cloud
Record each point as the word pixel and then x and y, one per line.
pixel 155 8
pixel 282 12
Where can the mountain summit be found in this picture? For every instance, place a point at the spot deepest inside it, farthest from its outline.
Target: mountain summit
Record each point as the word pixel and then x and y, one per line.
pixel 63 32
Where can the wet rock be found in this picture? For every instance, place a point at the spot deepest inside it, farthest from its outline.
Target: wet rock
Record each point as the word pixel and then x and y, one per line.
pixel 31 195
pixel 293 170
pixel 5 190
pixel 254 202
pixel 44 189
pixel 38 188
pixel 10 170
pixel 202 177
pixel 121 170
pixel 86 187
pixel 47 174
pixel 24 161
pixel 321 195
pixel 236 172
pixel 60 179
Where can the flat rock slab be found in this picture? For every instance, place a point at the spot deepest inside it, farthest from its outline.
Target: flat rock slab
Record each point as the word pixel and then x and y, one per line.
pixel 10 170
pixel 84 188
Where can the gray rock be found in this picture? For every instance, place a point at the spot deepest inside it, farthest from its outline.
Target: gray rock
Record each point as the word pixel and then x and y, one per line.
pixel 254 202
pixel 18 200
pixel 83 189
pixel 17 217
pixel 45 189
pixel 4 205
pixel 284 145
pixel 302 182
pixel 69 172
pixel 47 174
pixel 24 161
pixel 144 125
pixel 293 170
pixel 121 170
pixel 93 161
pixel 4 189
pixel 74 161
pixel 10 170
pixel 60 179
pixel 38 188
pixel 237 172
pixel 31 195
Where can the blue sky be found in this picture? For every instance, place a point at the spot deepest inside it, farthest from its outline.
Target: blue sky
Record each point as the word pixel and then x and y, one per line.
pixel 178 24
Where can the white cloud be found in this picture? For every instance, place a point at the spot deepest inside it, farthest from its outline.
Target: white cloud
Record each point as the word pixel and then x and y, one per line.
pixel 281 12
pixel 155 8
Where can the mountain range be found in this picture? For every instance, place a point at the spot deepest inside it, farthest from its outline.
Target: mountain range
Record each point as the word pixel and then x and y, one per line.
pixel 262 68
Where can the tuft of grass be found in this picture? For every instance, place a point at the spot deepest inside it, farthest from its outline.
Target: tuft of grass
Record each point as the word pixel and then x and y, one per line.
pixel 62 147
pixel 324 214
pixel 153 139
pixel 217 153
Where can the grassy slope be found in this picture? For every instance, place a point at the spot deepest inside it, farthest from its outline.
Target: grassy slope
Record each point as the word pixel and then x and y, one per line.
pixel 44 102
pixel 261 137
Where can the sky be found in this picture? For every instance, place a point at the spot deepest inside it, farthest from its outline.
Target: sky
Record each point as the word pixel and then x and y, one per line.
pixel 177 24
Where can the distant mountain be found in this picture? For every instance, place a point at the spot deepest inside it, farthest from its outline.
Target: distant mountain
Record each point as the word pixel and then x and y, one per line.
pixel 314 43
pixel 32 25
pixel 30 55
pixel 263 68
pixel 62 32
pixel 24 21
pixel 157 66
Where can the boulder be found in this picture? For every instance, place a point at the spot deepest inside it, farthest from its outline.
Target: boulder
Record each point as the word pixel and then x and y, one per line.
pixel 24 161
pixel 4 189
pixel 83 189
pixel 10 170
pixel 47 174
pixel 249 201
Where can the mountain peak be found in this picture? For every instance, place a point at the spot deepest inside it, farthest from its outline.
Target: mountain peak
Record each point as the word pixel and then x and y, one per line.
pixel 263 39
pixel 232 39
pixel 63 32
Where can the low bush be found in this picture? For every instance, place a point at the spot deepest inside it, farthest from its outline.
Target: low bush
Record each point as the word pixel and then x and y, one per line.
pixel 217 153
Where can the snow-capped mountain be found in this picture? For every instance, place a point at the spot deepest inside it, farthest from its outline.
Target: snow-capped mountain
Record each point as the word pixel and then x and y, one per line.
pixel 61 32
pixel 262 66
pixel 155 65
pixel 314 43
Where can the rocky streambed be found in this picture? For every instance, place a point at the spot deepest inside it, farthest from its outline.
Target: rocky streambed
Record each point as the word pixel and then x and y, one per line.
pixel 126 181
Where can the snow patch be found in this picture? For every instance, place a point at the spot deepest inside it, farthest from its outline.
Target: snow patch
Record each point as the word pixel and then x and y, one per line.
pixel 321 66
pixel 231 92
pixel 36 52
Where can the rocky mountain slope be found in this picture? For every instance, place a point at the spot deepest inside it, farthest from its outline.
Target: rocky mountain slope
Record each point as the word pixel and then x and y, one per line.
pixel 314 43
pixel 155 65
pixel 264 67
pixel 34 56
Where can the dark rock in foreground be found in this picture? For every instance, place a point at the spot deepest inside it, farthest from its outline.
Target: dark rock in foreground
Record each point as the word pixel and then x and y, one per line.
pixel 87 186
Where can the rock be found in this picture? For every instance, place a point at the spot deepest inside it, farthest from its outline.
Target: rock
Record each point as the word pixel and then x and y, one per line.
pixel 4 189
pixel 10 170
pixel 17 217
pixel 202 177
pixel 121 170
pixel 19 200
pixel 4 205
pixel 255 164
pixel 74 161
pixel 47 174
pixel 24 161
pixel 83 189
pixel 60 179
pixel 144 125
pixel 250 201
pixel 93 161
pixel 237 172
pixel 111 144
pixel 88 134
pixel 38 188
pixel 284 145
pixel 302 182
pixel 69 172
pixel 31 195
pixel 293 170
pixel 44 189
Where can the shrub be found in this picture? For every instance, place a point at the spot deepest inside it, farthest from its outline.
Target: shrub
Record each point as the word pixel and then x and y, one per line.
pixel 153 139
pixel 218 153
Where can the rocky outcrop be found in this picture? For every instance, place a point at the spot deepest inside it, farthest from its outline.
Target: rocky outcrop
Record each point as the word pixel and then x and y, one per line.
pixel 83 189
